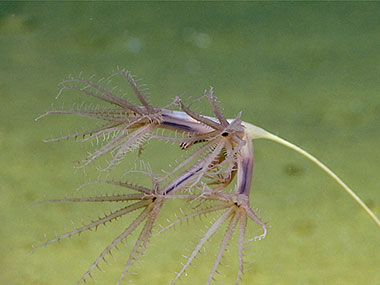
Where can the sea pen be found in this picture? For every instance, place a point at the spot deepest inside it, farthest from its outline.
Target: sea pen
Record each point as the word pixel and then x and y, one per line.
pixel 220 151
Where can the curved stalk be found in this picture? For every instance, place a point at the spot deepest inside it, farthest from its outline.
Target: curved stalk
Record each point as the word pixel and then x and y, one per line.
pixel 255 132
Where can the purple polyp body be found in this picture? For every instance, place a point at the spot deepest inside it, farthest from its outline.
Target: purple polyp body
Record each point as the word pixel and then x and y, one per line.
pixel 245 168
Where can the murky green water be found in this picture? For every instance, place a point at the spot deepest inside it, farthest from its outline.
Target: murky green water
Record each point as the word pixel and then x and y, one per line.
pixel 309 72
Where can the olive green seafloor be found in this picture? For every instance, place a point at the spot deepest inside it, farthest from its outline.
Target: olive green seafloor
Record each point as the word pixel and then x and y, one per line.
pixel 309 72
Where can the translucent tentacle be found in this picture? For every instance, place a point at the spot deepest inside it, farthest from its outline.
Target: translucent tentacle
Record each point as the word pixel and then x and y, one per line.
pixel 132 142
pixel 211 99
pixel 95 224
pixel 116 241
pixel 107 198
pixel 138 188
pixel 192 215
pixel 205 238
pixel 87 114
pixel 242 230
pixel 105 95
pixel 190 158
pixel 143 238
pixel 200 118
pixel 92 133
pixel 129 78
pixel 223 245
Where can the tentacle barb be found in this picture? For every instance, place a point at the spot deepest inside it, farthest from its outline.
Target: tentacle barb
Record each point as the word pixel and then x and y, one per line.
pixel 216 150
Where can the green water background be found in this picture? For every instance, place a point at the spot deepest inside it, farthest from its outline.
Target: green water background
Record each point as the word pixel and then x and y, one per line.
pixel 309 72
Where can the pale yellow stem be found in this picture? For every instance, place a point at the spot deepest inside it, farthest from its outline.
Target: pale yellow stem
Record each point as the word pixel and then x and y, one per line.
pixel 255 132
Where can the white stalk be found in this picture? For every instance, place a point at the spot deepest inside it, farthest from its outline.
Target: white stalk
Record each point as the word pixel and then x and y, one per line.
pixel 255 132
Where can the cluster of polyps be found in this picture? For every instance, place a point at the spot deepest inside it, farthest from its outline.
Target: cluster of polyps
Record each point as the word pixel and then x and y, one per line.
pixel 222 150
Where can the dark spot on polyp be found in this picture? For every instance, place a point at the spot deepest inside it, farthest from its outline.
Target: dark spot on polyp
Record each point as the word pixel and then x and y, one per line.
pixel 224 134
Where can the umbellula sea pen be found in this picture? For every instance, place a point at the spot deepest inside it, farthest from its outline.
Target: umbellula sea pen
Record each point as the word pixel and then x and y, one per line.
pixel 219 151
